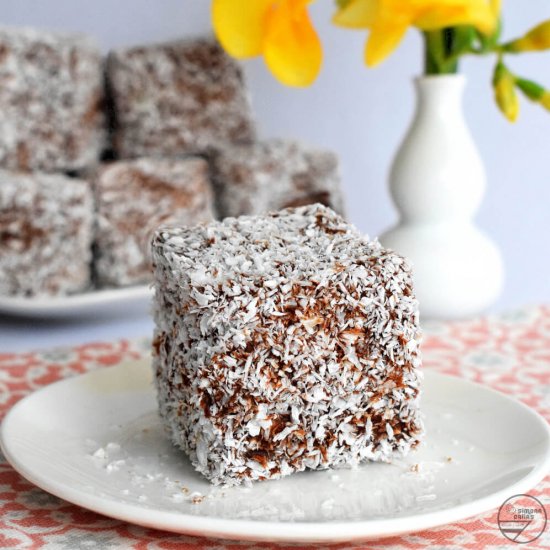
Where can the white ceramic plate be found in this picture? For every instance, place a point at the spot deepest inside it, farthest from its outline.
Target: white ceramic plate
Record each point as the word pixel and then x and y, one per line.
pixel 95 440
pixel 101 302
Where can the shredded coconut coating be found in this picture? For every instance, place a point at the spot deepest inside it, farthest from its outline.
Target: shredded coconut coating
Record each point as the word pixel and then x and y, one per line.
pixel 135 197
pixel 177 98
pixel 284 342
pixel 272 175
pixel 51 88
pixel 46 224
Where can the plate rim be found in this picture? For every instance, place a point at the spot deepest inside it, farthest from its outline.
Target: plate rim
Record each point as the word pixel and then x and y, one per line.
pixel 270 531
pixel 55 305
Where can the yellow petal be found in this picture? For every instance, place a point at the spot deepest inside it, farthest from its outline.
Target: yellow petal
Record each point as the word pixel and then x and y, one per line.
pixel 477 13
pixel 537 39
pixel 358 14
pixel 292 50
pixel 482 16
pixel 545 100
pixel 438 18
pixel 495 7
pixel 240 25
pixel 383 39
pixel 506 97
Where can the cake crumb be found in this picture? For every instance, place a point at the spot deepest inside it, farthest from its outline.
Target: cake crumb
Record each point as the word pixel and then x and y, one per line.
pixel 196 497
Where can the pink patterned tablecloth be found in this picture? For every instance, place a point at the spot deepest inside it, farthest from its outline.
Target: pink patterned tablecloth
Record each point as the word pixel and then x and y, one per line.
pixel 510 353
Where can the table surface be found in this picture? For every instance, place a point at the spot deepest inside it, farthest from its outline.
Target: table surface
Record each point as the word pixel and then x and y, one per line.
pixel 510 353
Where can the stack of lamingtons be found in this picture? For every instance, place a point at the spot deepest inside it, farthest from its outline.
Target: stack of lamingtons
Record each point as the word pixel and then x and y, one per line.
pixel 175 123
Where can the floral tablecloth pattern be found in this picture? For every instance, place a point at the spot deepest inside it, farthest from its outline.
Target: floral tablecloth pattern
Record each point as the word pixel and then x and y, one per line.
pixel 510 353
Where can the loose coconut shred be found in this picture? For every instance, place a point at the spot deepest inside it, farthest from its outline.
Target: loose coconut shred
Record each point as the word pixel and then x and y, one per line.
pixel 284 342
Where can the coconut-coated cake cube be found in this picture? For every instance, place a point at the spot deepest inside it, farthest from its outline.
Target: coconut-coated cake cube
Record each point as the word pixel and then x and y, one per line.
pixel 274 174
pixel 284 342
pixel 133 198
pixel 46 227
pixel 176 98
pixel 51 93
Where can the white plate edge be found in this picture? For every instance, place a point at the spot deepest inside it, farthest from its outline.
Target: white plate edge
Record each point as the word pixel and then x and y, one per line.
pixel 236 529
pixel 44 305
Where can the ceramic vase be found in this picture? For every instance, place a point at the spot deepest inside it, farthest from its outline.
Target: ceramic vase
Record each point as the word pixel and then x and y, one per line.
pixel 437 182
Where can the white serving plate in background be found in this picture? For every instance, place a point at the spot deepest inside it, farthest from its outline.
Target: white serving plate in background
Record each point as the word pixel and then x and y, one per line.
pixel 95 440
pixel 113 301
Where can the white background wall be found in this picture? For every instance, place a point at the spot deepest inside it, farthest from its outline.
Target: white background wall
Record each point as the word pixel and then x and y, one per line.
pixel 363 114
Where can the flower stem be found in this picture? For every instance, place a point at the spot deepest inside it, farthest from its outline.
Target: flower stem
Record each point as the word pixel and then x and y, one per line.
pixel 439 52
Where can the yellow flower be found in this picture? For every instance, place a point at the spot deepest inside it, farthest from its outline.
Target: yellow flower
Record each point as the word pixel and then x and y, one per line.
pixel 545 100
pixel 495 7
pixel 504 85
pixel 388 20
pixel 536 39
pixel 280 30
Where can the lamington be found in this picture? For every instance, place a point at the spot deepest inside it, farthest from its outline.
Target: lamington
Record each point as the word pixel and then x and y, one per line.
pixel 272 175
pixel 51 90
pixel 46 226
pixel 284 342
pixel 133 197
pixel 176 98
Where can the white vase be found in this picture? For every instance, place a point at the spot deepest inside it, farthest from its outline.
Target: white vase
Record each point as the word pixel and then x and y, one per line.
pixel 437 182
